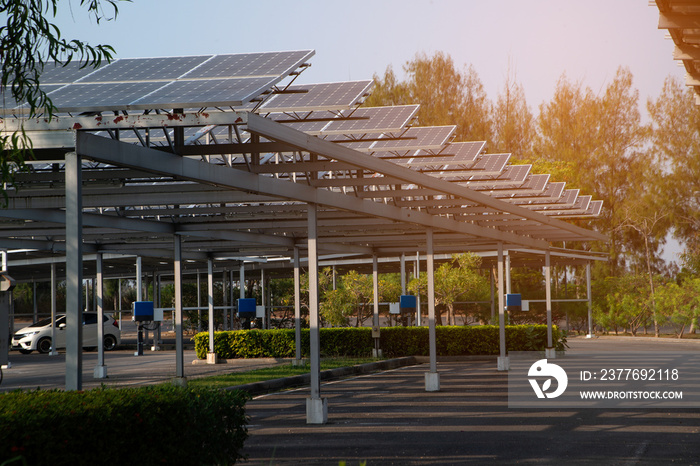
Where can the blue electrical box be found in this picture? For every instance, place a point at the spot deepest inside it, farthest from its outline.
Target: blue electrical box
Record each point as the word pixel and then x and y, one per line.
pixel 407 302
pixel 142 311
pixel 246 307
pixel 514 302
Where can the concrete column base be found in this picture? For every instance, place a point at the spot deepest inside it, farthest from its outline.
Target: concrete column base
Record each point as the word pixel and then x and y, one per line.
pixel 377 353
pixel 432 381
pixel 591 336
pixel 316 410
pixel 100 372
pixel 180 382
pixel 503 363
pixel 550 353
pixel 212 358
pixel 300 362
pixel 155 348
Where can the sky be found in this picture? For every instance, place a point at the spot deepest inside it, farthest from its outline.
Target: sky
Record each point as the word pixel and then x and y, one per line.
pixel 537 40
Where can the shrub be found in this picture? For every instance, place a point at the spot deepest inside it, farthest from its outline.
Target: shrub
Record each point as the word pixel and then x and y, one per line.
pixel 395 341
pixel 151 425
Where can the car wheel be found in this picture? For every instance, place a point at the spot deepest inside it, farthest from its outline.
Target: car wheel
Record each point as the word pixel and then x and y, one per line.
pixel 110 342
pixel 44 345
pixel 25 351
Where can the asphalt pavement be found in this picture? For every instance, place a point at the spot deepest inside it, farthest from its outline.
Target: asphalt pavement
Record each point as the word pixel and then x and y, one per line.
pixel 387 417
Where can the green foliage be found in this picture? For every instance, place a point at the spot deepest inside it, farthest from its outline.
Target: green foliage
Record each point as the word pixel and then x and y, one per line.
pixel 29 43
pixel 154 425
pixel 394 341
pixel 678 305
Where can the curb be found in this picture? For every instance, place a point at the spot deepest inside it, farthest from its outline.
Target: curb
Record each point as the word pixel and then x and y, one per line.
pixel 274 385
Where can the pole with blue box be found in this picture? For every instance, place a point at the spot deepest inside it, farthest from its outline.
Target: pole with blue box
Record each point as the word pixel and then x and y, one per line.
pixel 144 313
pixel 246 311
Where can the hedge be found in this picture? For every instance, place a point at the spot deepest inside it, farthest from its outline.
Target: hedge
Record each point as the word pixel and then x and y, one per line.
pixel 149 425
pixel 394 341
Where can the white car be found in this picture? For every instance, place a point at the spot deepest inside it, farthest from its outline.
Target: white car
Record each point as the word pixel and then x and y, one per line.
pixel 38 335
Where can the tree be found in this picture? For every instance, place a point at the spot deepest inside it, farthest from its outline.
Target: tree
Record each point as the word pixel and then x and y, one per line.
pixel 678 304
pixel 446 95
pixel 566 133
pixel 514 124
pixel 454 281
pixel 29 42
pixel 676 145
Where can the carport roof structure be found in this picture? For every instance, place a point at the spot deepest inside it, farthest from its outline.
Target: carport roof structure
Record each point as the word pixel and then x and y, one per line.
pixel 213 149
pixel 682 19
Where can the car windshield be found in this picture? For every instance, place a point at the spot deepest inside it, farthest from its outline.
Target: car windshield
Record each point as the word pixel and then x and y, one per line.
pixel 88 318
pixel 42 322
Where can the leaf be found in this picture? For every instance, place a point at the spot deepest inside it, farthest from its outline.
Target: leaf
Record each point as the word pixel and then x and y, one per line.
pixel 546 385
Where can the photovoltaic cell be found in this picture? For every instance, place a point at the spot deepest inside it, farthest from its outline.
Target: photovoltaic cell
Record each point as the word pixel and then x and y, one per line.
pixel 69 73
pixel 96 97
pixel 203 93
pixel 145 69
pixel 312 97
pixel 373 120
pixel 421 137
pixel 456 154
pixel 147 83
pixel 248 65
pixel 307 122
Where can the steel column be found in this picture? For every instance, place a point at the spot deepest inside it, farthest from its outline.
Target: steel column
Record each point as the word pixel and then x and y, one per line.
pixel 179 341
pixel 297 306
pixel 210 302
pixel 74 273
pixel 100 371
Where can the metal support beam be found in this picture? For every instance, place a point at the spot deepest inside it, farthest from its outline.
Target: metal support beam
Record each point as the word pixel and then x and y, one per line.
pixel 100 371
pixel 179 341
pixel 432 378
pixel 210 304
pixel 316 407
pixel 53 309
pixel 297 307
pixel 74 273
pixel 503 362
pixel 548 297
pixel 590 300
pixel 128 155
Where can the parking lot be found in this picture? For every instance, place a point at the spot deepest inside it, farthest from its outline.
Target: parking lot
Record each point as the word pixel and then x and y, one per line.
pixel 389 418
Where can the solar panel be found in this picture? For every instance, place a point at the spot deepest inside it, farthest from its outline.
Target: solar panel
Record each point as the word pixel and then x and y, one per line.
pixel 145 69
pixel 249 65
pixel 96 97
pixel 373 120
pixel 52 74
pixel 168 82
pixel 307 122
pixel 204 93
pixel 456 154
pixel 512 174
pixel 326 96
pixel 421 137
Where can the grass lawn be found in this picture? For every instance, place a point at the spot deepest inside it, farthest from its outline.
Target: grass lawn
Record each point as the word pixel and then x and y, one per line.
pixel 276 372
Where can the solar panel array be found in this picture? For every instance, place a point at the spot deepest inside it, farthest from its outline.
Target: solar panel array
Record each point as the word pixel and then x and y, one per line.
pixel 168 82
